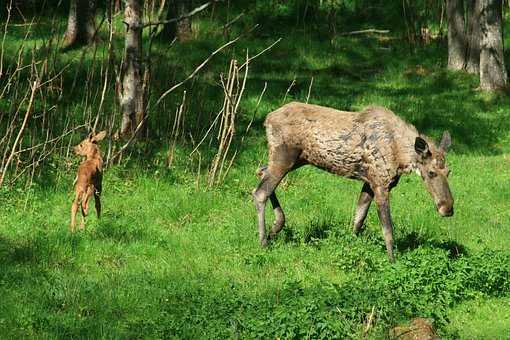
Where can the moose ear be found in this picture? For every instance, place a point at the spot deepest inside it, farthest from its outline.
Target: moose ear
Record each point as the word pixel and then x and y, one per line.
pixel 446 141
pixel 99 137
pixel 421 147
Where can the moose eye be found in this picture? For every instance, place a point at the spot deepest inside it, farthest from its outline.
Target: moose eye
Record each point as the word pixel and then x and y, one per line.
pixel 431 174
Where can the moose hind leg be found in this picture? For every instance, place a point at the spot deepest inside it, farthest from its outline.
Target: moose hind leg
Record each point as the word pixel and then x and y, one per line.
pixel 365 198
pixel 383 210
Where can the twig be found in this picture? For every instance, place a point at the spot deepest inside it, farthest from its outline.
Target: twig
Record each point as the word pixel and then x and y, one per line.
pixel 256 108
pixel 309 90
pixel 289 88
pixel 258 54
pixel 369 321
pixel 3 39
pixel 231 22
pixel 21 130
pixel 371 30
pixel 133 136
pixel 199 67
pixel 182 17
pixel 51 140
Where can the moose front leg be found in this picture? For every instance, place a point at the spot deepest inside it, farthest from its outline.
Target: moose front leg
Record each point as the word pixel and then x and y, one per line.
pixel 365 198
pixel 383 209
pixel 279 221
pixel 265 189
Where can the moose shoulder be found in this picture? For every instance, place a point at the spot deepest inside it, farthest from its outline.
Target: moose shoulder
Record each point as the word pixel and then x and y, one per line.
pixel 374 146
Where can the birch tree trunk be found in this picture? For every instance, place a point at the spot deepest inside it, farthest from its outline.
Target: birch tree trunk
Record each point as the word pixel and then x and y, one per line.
pixel 493 74
pixel 131 96
pixel 456 35
pixel 81 26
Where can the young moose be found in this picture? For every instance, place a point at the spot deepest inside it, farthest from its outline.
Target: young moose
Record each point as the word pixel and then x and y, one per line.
pixel 374 146
pixel 88 180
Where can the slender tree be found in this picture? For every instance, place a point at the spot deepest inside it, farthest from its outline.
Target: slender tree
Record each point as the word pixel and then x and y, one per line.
pixel 456 35
pixel 131 94
pixel 81 28
pixel 473 37
pixel 493 74
pixel 182 28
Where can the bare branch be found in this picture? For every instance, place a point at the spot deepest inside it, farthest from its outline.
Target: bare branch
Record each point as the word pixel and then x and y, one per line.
pixel 199 67
pixel 182 17
pixel 34 87
pixel 260 53
pixel 371 30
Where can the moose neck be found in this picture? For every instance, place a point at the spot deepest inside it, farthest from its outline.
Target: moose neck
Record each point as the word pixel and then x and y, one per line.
pixel 407 157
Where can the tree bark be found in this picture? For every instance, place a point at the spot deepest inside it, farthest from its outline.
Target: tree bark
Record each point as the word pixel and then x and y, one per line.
pixel 493 74
pixel 180 29
pixel 81 28
pixel 456 35
pixel 131 97
pixel 474 37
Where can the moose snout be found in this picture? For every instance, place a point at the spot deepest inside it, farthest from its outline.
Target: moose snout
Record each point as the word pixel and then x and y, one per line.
pixel 445 209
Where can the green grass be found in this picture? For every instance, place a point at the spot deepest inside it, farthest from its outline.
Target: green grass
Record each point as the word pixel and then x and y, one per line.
pixel 170 258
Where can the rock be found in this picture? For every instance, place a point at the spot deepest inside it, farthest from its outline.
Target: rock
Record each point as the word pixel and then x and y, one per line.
pixel 418 329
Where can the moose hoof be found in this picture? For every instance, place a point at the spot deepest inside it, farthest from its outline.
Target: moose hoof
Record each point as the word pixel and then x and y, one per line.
pixel 263 243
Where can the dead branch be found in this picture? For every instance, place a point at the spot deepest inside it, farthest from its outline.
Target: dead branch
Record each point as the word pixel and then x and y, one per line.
pixel 182 17
pixel 3 39
pixel 367 31
pixel 199 67
pixel 21 130
pixel 309 90
pixel 231 22
pixel 260 53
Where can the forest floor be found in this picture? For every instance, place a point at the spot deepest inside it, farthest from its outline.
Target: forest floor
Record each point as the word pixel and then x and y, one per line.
pixel 172 257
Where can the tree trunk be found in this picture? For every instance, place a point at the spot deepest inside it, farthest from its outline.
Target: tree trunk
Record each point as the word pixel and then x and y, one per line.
pixel 456 35
pixel 131 97
pixel 81 28
pixel 180 29
pixel 474 37
pixel 492 63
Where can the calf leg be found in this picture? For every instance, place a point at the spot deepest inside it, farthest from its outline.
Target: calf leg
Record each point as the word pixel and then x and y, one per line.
pixel 97 201
pixel 85 207
pixel 365 198
pixel 383 210
pixel 74 209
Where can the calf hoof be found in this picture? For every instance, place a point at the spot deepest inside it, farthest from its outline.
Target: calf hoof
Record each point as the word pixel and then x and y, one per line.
pixel 264 242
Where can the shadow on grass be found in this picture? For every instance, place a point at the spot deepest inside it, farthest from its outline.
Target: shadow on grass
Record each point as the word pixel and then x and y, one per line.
pixel 414 240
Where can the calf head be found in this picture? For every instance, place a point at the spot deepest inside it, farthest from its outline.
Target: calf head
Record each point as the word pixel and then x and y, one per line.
pixel 434 171
pixel 88 147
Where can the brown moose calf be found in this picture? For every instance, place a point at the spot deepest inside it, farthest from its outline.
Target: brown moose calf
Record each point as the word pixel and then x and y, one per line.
pixel 374 146
pixel 88 179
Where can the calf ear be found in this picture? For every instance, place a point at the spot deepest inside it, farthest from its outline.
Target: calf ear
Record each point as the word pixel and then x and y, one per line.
pixel 421 147
pixel 446 141
pixel 99 137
